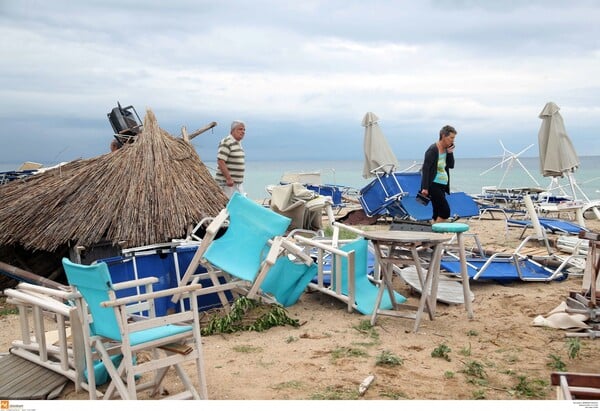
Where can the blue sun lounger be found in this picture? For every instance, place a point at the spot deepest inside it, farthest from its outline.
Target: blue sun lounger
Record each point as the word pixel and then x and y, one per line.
pixel 379 196
pixel 552 225
pixel 461 205
pixel 504 268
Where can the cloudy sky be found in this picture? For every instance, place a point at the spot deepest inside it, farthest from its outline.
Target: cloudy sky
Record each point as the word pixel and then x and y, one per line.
pixel 302 74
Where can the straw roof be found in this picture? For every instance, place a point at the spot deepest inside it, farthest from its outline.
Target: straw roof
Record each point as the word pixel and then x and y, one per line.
pixel 147 192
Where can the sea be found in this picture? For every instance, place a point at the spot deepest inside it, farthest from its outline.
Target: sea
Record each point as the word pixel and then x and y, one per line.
pixel 469 175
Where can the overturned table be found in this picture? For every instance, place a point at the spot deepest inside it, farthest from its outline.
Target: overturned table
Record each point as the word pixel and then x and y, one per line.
pixel 402 248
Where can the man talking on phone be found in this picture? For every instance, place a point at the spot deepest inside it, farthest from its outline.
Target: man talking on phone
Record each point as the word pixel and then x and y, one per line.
pixel 435 173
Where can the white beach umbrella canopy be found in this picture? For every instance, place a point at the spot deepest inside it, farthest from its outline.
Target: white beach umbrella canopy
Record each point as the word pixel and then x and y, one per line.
pixel 557 154
pixel 377 150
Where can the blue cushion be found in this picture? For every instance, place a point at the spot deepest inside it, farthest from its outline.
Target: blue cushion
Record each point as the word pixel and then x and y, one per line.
pixel 151 334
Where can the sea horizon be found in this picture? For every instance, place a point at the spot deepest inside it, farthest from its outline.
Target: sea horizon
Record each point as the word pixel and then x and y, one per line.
pixel 469 174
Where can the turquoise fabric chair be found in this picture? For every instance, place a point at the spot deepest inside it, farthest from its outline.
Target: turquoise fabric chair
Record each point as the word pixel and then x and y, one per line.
pixel 250 228
pixel 365 290
pixel 287 280
pixel 108 332
pixel 252 252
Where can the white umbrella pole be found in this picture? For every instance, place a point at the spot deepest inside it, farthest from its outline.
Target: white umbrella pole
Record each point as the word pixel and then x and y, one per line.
pixel 578 210
pixel 535 222
pixel 572 184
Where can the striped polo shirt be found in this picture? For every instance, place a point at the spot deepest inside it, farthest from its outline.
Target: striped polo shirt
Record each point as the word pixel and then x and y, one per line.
pixel 232 153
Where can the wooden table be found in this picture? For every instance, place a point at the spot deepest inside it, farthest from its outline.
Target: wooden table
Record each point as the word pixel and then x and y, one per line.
pixel 402 248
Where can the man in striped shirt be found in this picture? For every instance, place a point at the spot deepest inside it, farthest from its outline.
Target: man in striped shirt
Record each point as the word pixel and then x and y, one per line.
pixel 231 160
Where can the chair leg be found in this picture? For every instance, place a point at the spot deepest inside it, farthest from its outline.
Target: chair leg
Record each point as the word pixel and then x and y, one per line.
pixel 131 389
pixel 199 353
pixel 116 381
pixel 91 377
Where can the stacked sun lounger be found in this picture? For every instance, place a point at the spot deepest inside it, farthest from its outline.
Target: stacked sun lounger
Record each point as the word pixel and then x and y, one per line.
pixel 395 194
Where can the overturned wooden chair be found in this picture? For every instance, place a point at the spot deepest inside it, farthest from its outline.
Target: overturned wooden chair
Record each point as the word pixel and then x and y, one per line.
pixel 252 253
pixel 118 329
pixel 51 331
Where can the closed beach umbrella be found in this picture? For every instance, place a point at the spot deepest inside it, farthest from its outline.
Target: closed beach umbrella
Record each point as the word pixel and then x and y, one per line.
pixel 557 154
pixel 377 150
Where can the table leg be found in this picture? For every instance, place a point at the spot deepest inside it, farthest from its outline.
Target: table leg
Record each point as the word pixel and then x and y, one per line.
pixel 385 284
pixel 419 268
pixel 432 272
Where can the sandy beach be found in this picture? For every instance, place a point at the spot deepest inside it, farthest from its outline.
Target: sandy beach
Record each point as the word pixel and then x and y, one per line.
pixel 498 355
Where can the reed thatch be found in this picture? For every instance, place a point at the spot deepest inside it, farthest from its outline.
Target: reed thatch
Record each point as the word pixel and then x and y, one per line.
pixel 147 192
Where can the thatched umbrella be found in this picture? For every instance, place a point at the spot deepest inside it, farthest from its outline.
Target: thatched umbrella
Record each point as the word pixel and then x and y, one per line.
pixel 147 192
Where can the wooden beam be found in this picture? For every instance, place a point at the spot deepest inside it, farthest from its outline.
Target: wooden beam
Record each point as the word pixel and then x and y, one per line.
pixel 202 130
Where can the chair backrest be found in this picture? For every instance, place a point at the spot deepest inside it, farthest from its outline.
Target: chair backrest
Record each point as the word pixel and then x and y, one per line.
pixel 360 248
pixel 241 250
pixel 94 284
pixel 409 181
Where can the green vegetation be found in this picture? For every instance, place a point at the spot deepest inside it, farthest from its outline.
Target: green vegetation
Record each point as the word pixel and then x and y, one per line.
pixel 530 389
pixel 293 384
pixel 343 352
pixel 466 351
pixel 441 351
pixel 474 369
pixel 8 311
pixel 365 327
pixel 556 363
pixel 448 375
pixel 249 315
pixel 393 395
pixel 246 348
pixel 336 393
pixel 344 234
pixel 387 358
pixel 472 333
pixel 573 347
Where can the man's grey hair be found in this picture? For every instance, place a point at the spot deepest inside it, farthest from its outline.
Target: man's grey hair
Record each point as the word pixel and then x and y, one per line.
pixel 236 123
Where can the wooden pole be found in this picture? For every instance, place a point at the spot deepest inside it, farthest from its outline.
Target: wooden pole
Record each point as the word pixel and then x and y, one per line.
pixel 202 130
pixel 27 276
